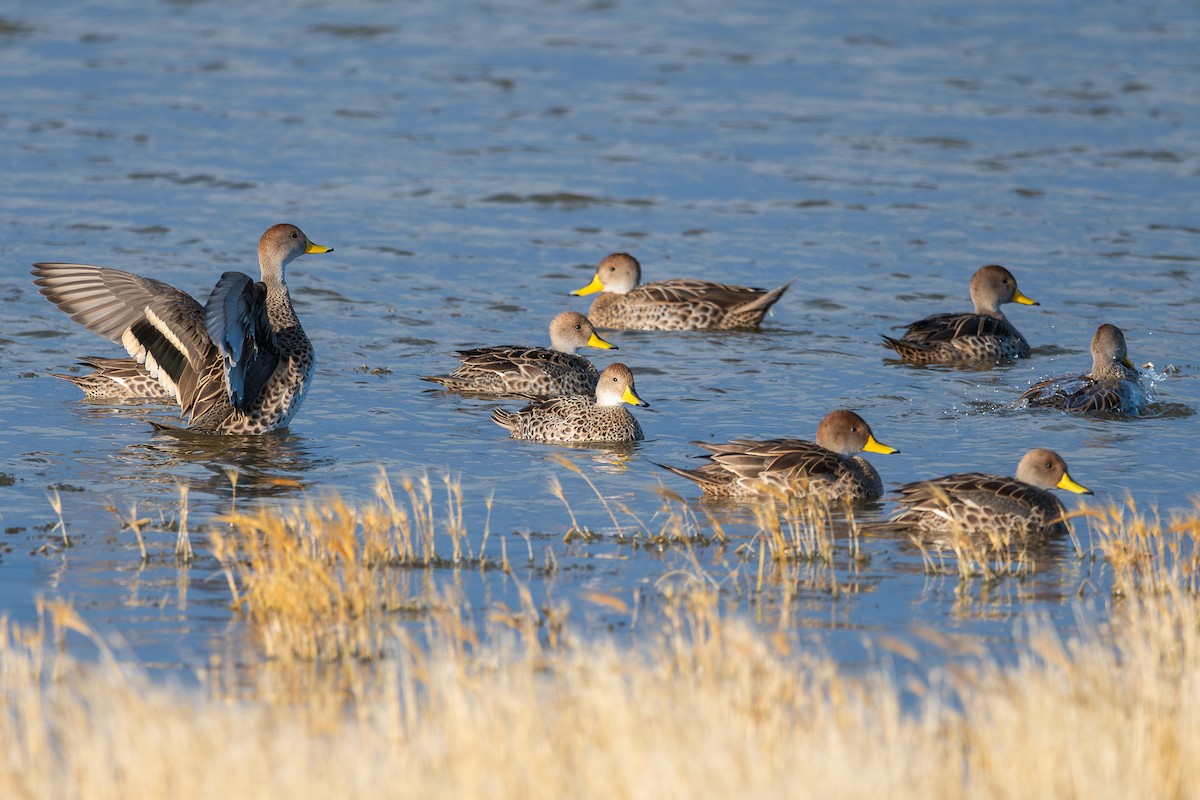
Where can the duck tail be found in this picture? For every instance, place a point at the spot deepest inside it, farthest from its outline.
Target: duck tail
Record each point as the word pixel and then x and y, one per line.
pixel 505 419
pixel 908 351
pixel 764 302
pixel 692 475
pixel 885 526
pixel 116 379
pixel 89 384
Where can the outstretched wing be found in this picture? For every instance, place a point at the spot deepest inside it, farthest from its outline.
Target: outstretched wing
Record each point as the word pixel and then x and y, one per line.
pixel 236 318
pixel 159 326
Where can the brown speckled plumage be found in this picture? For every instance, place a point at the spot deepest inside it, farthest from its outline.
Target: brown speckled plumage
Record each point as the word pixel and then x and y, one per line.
pixel 984 335
pixel 828 468
pixel 579 418
pixel 976 503
pixel 117 380
pixel 531 372
pixel 238 365
pixel 1113 384
pixel 680 304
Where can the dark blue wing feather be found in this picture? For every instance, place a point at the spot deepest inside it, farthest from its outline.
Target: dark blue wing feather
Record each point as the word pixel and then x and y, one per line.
pixel 236 318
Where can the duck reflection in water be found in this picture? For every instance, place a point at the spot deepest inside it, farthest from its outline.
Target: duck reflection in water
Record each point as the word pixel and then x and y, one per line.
pixel 279 465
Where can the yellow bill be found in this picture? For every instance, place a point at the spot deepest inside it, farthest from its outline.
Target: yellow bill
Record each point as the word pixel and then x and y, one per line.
pixel 633 399
pixel 1072 486
pixel 591 288
pixel 1023 300
pixel 313 247
pixel 598 343
pixel 874 446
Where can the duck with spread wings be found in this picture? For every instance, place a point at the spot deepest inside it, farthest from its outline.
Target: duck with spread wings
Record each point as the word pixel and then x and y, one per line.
pixel 239 364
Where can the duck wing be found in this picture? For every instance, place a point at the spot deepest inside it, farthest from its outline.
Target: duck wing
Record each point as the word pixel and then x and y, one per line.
pixel 236 320
pixel 159 326
pixel 944 327
pixel 784 460
pixel 997 494
pixel 690 290
pixel 528 362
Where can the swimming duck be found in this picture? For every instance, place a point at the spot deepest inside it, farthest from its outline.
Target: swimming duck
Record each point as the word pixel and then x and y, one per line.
pixel 981 336
pixel 828 467
pixel 680 304
pixel 240 364
pixel 976 502
pixel 512 370
pixel 1114 384
pixel 580 418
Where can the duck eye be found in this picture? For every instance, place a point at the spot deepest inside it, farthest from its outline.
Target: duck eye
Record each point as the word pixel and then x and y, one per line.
pixel 295 235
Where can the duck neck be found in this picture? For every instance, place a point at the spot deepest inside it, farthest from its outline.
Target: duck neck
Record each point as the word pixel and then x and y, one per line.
pixel 609 400
pixel 279 300
pixel 983 310
pixel 1109 370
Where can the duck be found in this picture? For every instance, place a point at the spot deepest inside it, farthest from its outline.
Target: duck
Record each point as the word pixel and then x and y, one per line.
pixel 828 468
pixel 984 335
pixel 238 364
pixel 1113 384
pixel 679 304
pixel 577 418
pixel 977 503
pixel 531 372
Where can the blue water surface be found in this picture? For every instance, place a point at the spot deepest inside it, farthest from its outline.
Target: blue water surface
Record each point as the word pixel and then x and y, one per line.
pixel 471 162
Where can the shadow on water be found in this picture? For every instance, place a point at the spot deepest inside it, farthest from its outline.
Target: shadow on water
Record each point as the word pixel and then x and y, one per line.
pixel 278 465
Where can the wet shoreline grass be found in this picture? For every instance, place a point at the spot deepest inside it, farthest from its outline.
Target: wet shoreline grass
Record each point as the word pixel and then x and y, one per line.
pixel 346 702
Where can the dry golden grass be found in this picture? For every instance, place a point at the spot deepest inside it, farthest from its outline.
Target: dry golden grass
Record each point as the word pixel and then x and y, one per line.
pixel 1147 556
pixel 714 709
pixel 677 524
pixel 988 554
pixel 804 528
pixel 706 707
pixel 321 580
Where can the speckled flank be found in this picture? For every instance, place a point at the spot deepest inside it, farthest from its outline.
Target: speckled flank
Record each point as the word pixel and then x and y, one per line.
pixel 570 419
pixel 539 373
pixel 279 400
pixel 1002 346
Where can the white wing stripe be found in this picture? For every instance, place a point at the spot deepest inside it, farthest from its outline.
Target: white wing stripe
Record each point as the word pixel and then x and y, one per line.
pixel 169 334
